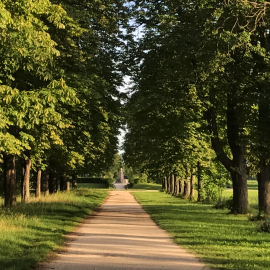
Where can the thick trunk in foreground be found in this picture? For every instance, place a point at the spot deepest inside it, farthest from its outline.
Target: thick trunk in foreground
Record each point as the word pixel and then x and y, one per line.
pixel 25 196
pixel 237 166
pixel 240 192
pixel 263 147
pixel 10 180
pixel 264 188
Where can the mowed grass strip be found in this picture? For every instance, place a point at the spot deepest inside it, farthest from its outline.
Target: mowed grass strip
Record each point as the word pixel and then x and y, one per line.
pixel 28 232
pixel 223 241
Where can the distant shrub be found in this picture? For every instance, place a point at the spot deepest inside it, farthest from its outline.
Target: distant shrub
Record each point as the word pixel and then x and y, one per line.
pixel 130 185
pixel 107 182
pixel 264 225
pixel 224 203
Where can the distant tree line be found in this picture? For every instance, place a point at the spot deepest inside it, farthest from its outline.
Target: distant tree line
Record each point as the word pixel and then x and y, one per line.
pixel 200 100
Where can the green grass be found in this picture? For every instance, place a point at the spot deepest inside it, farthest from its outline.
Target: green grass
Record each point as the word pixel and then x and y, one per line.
pixel 223 241
pixel 91 185
pixel 28 232
pixel 252 184
pixel 147 186
pixel 252 197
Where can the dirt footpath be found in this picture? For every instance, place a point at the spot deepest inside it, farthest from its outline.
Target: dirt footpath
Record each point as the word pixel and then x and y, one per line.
pixel 122 236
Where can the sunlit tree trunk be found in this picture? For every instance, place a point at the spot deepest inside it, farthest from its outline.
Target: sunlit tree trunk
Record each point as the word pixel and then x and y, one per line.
pixel 10 180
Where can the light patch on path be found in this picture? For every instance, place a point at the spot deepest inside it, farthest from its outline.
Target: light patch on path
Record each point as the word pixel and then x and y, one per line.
pixel 122 236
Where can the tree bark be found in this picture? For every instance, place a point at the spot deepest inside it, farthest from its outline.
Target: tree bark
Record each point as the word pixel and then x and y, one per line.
pixel 172 183
pixel 182 187
pixel 166 183
pixel 25 195
pixel 53 183
pixel 187 188
pixel 67 184
pixel 45 183
pixel 199 179
pixel 264 188
pixel 169 183
pixel 238 165
pixel 38 185
pixel 62 182
pixel 264 145
pixel 10 180
pixel 163 183
pixel 74 180
pixel 192 183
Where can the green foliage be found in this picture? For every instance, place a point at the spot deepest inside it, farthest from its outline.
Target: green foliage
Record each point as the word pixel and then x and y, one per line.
pixel 30 231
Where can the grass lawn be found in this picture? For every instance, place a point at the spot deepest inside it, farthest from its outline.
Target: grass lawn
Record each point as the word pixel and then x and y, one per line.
pixel 147 186
pixel 223 241
pixel 91 185
pixel 28 232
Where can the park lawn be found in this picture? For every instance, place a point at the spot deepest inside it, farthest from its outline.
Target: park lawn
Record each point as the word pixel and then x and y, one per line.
pixel 147 186
pixel 92 185
pixel 28 232
pixel 222 240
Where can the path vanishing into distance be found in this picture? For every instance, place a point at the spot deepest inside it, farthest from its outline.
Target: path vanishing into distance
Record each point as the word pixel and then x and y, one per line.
pixel 120 235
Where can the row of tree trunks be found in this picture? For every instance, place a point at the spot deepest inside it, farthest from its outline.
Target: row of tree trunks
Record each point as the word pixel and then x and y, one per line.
pixel 179 187
pixel 46 182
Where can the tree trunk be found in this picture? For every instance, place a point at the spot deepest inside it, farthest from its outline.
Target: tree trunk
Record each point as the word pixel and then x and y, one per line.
pixel 187 188
pixel 62 182
pixel 74 180
pixel 10 180
pixel 53 183
pixel 263 147
pixel 238 166
pixel 240 194
pixel 264 188
pixel 25 196
pixel 67 184
pixel 182 187
pixel 45 183
pixel 163 183
pixel 169 183
pixel 172 183
pixel 199 177
pixel 38 186
pixel 192 183
pixel 166 183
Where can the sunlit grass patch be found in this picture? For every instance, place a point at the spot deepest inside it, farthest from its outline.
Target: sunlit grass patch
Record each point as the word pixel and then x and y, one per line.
pixel 223 241
pixel 147 186
pixel 28 232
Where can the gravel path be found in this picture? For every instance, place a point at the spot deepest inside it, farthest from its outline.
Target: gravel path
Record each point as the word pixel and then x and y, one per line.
pixel 122 236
